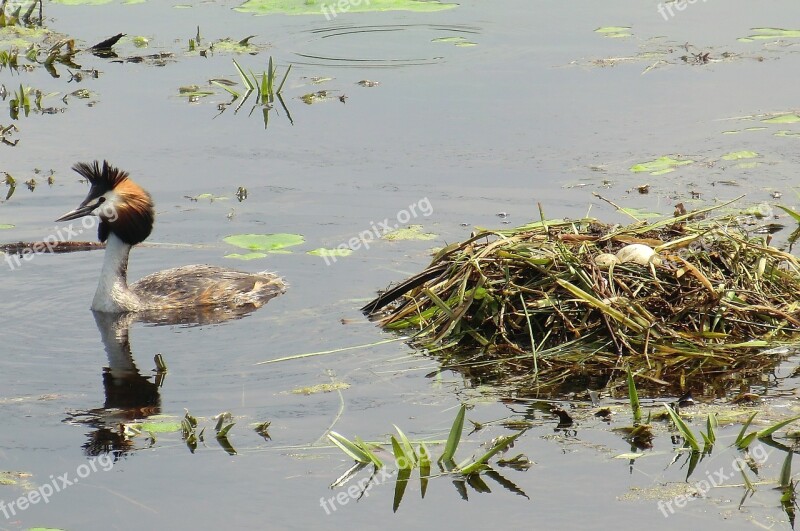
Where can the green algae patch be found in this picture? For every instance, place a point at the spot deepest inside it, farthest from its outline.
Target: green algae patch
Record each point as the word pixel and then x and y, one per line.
pixel 264 242
pixel 659 166
pixel 320 7
pixel 412 232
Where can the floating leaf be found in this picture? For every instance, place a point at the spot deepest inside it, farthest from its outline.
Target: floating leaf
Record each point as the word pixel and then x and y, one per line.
pixel 246 256
pixel 660 165
pixel 306 7
pixel 770 34
pixel 321 388
pixel 6 226
pixel 264 242
pixel 412 232
pixel 790 118
pixel 457 41
pixel 158 427
pixel 737 155
pixel 325 252
pixel 614 32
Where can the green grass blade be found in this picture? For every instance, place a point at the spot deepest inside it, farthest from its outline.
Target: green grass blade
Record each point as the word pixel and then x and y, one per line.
pixel 349 447
pixel 633 396
pixel 370 454
pixel 711 426
pixel 408 449
pixel 740 440
pixel 786 471
pixel 245 80
pixel 795 216
pixel 286 75
pixel 234 93
pixel 500 445
pixel 455 435
pixel 683 429
pixel 270 75
pixel 402 459
pixel 775 427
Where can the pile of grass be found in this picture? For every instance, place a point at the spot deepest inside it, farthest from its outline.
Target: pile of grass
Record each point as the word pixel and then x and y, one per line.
pixel 531 304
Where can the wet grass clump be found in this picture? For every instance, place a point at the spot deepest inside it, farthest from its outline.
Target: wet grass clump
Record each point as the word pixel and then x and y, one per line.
pixel 555 301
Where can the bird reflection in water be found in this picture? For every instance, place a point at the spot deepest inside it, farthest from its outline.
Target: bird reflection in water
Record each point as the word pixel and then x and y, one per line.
pixel 131 396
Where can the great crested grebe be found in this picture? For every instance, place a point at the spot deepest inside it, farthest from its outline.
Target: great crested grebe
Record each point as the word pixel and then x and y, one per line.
pixel 126 218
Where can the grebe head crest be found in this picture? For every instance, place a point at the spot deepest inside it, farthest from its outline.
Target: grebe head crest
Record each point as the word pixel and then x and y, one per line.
pixel 123 207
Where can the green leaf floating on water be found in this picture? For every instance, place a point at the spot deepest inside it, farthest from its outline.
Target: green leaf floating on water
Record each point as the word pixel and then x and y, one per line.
pixel 614 32
pixel 246 256
pixel 82 2
pixel 738 155
pixel 784 132
pixel 331 252
pixel 789 118
pixel 659 166
pixel 331 9
pixel 770 34
pixel 457 41
pixel 264 242
pixel 412 232
pixel 158 427
pixel 6 226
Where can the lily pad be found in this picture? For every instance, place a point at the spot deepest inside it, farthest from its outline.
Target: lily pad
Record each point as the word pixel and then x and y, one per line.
pixel 738 155
pixel 330 9
pixel 784 132
pixel 660 165
pixel 264 242
pixel 6 226
pixel 246 256
pixel 412 232
pixel 790 118
pixel 339 251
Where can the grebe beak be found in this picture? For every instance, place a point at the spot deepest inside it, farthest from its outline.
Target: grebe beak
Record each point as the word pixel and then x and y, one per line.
pixel 83 210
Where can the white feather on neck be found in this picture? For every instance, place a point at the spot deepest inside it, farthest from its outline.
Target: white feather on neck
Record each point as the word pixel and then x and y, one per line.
pixel 112 293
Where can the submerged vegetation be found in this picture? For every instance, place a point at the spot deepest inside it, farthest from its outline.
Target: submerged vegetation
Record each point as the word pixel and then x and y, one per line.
pixel 556 301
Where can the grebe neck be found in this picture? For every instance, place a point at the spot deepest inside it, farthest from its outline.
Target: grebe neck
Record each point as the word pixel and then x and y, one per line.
pixel 113 294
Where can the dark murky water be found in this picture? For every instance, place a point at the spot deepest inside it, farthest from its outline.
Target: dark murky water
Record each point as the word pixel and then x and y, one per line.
pixel 518 119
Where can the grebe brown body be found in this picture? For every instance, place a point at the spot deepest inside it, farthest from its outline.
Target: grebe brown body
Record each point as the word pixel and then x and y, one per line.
pixel 126 218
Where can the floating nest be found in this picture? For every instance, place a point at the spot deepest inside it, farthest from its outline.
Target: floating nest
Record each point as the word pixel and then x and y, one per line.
pixel 553 303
